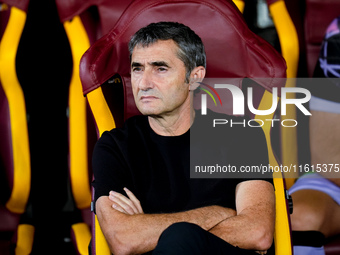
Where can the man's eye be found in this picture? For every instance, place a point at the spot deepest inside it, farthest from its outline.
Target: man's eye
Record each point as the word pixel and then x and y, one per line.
pixel 136 69
pixel 162 69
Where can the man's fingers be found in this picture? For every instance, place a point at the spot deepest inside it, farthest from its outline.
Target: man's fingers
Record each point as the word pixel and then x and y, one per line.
pixel 122 201
pixel 118 208
pixel 135 201
pixel 129 205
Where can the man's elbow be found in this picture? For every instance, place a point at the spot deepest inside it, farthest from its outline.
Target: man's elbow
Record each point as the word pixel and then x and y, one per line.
pixel 120 248
pixel 119 243
pixel 264 239
pixel 265 243
pixel 112 225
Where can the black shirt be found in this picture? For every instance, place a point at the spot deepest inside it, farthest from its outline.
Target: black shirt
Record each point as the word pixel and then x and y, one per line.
pixel 156 168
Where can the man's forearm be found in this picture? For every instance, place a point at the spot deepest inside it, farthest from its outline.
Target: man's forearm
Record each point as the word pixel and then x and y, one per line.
pixel 253 226
pixel 243 232
pixel 139 233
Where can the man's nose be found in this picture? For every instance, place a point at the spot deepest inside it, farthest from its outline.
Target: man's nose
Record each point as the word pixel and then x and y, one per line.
pixel 146 81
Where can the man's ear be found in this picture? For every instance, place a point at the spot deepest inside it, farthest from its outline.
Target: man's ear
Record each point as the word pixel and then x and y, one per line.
pixel 197 75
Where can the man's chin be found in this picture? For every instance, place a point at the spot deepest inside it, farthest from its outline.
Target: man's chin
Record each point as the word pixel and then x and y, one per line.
pixel 149 112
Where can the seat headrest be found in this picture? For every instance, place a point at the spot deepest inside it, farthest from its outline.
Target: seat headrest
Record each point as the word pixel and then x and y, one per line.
pixel 107 11
pixel 232 49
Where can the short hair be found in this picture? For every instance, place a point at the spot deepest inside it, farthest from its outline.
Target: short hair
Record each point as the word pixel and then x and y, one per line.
pixel 191 49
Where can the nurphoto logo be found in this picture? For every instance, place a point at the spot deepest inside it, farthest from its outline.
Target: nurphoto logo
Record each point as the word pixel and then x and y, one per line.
pixel 238 103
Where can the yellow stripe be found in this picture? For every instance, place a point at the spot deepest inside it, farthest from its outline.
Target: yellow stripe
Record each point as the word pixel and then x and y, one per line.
pixel 101 110
pixel 282 229
pixel 289 146
pixel 104 121
pixel 83 236
pixel 24 243
pixel 265 104
pixel 17 108
pixel 80 182
pixel 290 51
pixel 282 235
pixel 288 36
pixel 102 247
pixel 240 5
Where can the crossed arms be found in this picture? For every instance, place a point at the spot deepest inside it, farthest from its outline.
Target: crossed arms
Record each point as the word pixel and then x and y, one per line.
pixel 129 231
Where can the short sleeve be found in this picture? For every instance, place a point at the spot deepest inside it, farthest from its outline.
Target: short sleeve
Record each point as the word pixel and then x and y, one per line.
pixel 109 168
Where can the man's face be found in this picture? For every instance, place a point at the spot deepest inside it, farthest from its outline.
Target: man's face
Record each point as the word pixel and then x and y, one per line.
pixel 158 79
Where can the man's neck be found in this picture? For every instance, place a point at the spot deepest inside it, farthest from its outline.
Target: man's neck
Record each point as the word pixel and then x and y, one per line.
pixel 172 125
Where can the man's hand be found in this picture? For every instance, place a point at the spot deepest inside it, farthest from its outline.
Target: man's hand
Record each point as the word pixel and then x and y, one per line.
pixel 126 205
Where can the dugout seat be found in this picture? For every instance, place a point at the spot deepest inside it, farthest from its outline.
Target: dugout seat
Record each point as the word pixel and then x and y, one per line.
pixel 289 43
pixel 311 18
pixel 16 236
pixel 301 31
pixel 84 23
pixel 289 47
pixel 233 51
pixel 319 14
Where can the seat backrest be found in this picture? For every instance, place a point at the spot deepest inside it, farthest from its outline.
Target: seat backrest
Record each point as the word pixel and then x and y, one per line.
pixel 289 47
pixel 227 21
pixel 15 165
pixel 236 38
pixel 14 143
pixel 289 44
pixel 84 23
pixel 233 51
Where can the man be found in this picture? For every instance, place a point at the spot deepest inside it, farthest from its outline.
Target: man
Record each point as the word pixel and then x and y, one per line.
pixel 164 210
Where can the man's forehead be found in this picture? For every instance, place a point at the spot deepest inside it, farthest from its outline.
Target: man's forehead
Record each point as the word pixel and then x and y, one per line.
pixel 160 48
pixel 156 42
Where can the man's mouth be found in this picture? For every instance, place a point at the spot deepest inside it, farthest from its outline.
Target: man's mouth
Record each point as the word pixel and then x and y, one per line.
pixel 146 98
